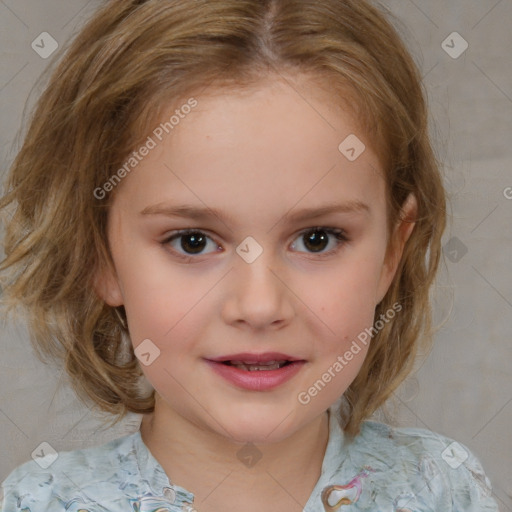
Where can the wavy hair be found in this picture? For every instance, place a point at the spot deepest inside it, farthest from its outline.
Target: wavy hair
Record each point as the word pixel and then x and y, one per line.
pixel 128 62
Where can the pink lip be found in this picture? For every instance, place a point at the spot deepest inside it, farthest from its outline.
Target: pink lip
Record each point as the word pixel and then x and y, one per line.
pixel 259 380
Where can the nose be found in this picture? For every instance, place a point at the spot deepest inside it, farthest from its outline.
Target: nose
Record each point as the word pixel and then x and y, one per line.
pixel 259 295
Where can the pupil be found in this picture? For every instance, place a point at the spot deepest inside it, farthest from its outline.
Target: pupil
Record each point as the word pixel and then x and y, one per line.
pixel 316 239
pixel 193 242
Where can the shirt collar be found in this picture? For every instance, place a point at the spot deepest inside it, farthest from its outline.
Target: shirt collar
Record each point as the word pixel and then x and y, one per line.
pixel 152 472
pixel 171 496
pixel 331 463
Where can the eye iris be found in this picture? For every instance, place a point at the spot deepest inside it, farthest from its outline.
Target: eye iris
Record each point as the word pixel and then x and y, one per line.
pixel 316 238
pixel 193 242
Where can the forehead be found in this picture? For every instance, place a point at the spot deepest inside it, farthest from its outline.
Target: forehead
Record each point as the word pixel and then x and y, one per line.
pixel 278 143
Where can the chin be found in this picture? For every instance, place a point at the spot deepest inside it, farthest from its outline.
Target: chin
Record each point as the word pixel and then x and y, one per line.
pixel 259 427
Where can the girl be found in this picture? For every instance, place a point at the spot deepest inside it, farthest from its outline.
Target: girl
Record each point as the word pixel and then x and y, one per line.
pixel 237 202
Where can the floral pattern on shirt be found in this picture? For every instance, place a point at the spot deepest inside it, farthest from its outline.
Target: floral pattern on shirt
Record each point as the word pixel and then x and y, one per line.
pixel 383 469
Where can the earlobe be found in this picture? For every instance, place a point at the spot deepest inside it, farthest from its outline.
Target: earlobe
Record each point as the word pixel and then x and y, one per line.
pixel 401 234
pixel 106 285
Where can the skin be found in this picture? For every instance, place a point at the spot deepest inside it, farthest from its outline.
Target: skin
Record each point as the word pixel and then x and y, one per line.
pixel 259 155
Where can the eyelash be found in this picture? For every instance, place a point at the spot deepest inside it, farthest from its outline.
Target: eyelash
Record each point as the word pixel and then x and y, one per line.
pixel 339 235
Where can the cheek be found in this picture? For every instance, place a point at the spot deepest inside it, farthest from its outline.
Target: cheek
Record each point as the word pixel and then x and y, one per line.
pixel 161 298
pixel 173 315
pixel 343 302
pixel 166 310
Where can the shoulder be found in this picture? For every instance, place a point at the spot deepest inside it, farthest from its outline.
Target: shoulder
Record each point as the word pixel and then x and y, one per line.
pixel 444 473
pixel 61 481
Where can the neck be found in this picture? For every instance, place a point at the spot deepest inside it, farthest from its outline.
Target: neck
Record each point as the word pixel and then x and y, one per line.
pixel 227 475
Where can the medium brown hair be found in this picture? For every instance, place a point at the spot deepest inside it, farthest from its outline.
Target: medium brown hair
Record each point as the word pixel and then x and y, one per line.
pixel 132 59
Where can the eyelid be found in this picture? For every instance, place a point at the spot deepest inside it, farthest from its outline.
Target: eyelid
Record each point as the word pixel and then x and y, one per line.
pixel 340 235
pixel 187 231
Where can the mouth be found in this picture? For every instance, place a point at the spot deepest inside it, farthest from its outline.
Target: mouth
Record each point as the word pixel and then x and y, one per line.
pixel 257 362
pixel 257 371
pixel 253 367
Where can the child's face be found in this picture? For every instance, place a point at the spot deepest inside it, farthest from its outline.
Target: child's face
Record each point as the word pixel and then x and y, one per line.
pixel 258 159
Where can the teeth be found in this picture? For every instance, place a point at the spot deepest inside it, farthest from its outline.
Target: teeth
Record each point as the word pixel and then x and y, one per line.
pixel 251 367
pixel 256 367
pixel 256 362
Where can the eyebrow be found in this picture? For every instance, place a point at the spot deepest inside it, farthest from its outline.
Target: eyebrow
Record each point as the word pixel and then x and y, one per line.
pixel 204 213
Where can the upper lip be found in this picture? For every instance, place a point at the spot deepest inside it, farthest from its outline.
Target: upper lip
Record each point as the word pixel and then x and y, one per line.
pixel 252 358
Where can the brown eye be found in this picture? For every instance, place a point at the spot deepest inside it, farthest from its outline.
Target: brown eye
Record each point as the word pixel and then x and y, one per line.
pixel 193 243
pixel 190 242
pixel 316 240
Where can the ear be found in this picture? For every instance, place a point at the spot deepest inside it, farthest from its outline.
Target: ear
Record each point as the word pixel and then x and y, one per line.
pixel 106 285
pixel 401 234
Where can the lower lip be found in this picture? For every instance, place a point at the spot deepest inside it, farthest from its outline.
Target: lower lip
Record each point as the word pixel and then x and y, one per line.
pixel 258 380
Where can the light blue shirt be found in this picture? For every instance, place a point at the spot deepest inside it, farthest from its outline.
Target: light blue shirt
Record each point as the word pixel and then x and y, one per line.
pixel 383 469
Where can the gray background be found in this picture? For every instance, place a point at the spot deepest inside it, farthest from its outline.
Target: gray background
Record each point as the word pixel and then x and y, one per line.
pixel 464 388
